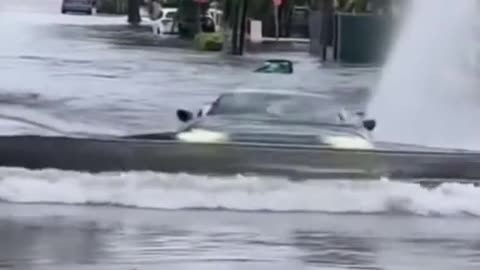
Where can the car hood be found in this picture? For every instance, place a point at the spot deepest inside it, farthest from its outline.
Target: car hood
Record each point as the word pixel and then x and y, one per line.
pixel 263 130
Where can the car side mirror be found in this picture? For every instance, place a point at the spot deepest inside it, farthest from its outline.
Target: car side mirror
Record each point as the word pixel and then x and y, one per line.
pixel 369 124
pixel 184 115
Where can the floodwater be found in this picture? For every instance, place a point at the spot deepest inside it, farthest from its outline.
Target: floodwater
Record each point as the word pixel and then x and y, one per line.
pixel 95 74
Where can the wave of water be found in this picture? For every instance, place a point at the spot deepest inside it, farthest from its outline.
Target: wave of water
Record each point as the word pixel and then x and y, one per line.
pixel 183 191
pixel 16 120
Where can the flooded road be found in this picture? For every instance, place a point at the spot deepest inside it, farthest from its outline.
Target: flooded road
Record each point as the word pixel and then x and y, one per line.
pixel 84 69
pixel 96 74
pixel 58 237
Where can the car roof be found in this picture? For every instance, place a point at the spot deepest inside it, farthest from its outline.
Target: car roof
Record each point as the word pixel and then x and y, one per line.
pixel 277 92
pixel 293 105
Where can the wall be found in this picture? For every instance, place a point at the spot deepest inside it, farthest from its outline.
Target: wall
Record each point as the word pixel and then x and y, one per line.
pixel 362 39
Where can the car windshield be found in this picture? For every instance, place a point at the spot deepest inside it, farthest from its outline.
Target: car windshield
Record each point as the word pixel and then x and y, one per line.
pixel 170 15
pixel 289 107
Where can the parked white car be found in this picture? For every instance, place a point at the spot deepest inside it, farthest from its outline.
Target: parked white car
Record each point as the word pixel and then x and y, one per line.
pixel 167 21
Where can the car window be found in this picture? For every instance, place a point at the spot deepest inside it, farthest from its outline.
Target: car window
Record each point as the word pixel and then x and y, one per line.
pixel 287 107
pixel 170 15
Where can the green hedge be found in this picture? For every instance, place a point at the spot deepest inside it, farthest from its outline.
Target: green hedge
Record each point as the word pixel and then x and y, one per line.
pixel 208 41
pixel 363 39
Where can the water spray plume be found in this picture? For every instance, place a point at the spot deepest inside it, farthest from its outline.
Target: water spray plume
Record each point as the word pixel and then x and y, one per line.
pixel 427 92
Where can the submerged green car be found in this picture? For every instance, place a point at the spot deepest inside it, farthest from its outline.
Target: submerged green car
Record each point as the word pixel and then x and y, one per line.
pixel 279 66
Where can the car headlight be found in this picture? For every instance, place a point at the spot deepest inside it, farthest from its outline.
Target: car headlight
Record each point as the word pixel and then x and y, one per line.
pixel 202 136
pixel 347 142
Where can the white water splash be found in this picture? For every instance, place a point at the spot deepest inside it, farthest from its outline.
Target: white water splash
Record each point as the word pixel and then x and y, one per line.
pixel 16 120
pixel 428 91
pixel 179 191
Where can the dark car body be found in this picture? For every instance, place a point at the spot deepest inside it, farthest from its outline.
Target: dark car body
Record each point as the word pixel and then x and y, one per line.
pixel 84 6
pixel 278 117
pixel 265 130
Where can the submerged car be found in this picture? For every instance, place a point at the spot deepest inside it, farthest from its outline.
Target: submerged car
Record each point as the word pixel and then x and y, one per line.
pixel 276 117
pixel 278 66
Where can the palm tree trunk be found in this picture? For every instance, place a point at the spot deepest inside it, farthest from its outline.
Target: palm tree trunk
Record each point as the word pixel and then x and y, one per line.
pixel 243 24
pixel 235 15
pixel 286 17
pixel 327 10
pixel 134 12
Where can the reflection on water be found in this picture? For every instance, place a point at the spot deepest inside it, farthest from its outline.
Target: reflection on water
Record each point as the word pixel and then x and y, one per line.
pixel 52 236
pixel 48 242
pixel 329 249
